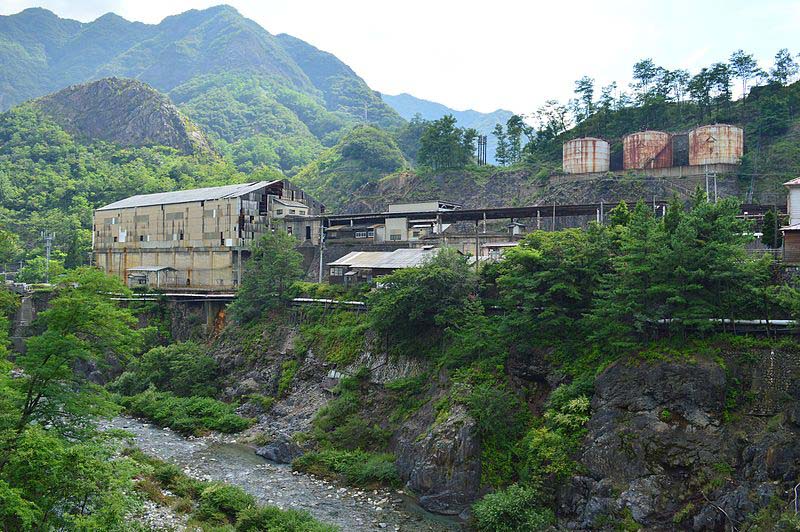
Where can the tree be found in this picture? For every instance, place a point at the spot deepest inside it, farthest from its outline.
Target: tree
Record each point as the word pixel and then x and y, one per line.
pixel 443 145
pixel 584 89
pixel 771 234
pixel 36 270
pixel 606 102
pixel 620 215
pixel 551 119
pixel 784 69
pixel 720 81
pixel 645 72
pixel 515 127
pixel 408 137
pixel 81 326
pixel 10 248
pixel 273 266
pixel 700 87
pixel 744 67
pixel 501 152
pixel 415 303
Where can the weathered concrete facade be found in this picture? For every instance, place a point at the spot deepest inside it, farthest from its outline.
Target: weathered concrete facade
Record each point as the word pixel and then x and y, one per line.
pixel 202 236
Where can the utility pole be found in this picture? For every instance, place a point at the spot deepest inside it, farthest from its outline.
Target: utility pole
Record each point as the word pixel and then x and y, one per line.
pixel 48 244
pixel 321 246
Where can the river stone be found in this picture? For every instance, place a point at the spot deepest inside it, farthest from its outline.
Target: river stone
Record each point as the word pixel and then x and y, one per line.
pixel 281 450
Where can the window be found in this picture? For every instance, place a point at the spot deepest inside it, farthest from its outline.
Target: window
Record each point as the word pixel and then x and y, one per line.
pixel 361 234
pixel 289 230
pixel 141 238
pixel 279 211
pixel 302 212
pixel 415 234
pixel 308 232
pixel 181 236
pixel 292 211
pixel 115 239
pixel 337 271
pixel 395 236
pixel 371 233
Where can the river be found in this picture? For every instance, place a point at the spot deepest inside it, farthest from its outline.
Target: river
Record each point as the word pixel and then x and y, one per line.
pixel 220 458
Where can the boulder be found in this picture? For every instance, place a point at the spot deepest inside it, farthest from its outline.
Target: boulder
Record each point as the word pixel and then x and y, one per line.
pixel 441 462
pixel 281 450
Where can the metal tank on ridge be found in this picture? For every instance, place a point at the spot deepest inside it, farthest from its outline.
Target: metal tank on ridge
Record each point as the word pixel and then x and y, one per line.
pixel 586 155
pixel 647 150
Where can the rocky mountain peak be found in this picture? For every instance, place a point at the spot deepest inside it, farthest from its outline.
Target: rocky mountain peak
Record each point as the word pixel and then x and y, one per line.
pixel 122 111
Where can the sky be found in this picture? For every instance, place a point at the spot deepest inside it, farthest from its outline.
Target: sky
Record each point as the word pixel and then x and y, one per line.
pixel 494 54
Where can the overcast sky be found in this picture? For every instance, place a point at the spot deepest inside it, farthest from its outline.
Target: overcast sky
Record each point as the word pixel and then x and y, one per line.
pixel 497 53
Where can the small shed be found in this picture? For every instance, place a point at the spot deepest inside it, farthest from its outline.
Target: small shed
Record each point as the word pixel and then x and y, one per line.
pixel 154 276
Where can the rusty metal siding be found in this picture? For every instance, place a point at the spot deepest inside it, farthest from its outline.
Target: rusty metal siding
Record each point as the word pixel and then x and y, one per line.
pixel 586 155
pixel 647 150
pixel 715 144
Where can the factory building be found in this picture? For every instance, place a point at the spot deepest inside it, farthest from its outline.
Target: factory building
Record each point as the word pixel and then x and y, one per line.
pixel 198 239
pixel 791 232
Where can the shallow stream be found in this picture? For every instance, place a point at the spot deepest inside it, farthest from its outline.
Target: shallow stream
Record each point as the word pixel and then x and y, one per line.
pixel 220 458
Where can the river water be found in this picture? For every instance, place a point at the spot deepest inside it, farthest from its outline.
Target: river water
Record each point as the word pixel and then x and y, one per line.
pixel 220 458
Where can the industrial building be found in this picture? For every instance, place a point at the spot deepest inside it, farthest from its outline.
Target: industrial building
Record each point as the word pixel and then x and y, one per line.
pixel 363 266
pixel 791 232
pixel 716 147
pixel 198 239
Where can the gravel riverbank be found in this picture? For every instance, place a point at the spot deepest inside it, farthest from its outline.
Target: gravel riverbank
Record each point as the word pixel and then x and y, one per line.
pixel 220 458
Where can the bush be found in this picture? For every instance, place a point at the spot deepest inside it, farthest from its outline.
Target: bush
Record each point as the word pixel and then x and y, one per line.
pixel 184 369
pixel 271 518
pixel 187 415
pixel 512 510
pixel 357 468
pixel 221 503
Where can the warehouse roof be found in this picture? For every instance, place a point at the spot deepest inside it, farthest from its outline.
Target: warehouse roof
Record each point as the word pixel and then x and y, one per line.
pixel 186 196
pixel 290 203
pixel 386 260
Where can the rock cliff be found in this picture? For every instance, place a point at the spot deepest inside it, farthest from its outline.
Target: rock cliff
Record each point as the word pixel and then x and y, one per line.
pixel 125 112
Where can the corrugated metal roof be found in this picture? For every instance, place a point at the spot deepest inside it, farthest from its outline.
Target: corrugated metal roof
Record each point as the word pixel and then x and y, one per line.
pixel 386 260
pixel 186 196
pixel 361 259
pixel 795 181
pixel 405 258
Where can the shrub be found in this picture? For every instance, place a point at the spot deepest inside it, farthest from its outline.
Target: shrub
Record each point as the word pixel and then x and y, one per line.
pixel 358 468
pixel 222 502
pixel 288 371
pixel 187 415
pixel 512 510
pixel 271 518
pixel 184 369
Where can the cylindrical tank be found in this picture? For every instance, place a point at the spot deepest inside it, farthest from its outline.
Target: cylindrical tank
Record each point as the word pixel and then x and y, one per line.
pixel 647 149
pixel 586 155
pixel 716 144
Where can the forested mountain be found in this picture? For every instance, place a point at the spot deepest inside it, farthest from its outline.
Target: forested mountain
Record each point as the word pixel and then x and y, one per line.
pixel 408 106
pixel 265 99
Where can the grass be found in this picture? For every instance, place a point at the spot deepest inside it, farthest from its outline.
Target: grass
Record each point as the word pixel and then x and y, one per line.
pixel 356 468
pixel 187 415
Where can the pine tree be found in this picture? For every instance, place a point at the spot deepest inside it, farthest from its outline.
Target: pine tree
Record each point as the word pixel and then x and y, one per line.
pixel 620 215
pixel 771 235
pixel 501 152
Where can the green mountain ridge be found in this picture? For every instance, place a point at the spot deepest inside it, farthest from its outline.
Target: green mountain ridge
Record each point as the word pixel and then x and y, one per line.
pixel 222 69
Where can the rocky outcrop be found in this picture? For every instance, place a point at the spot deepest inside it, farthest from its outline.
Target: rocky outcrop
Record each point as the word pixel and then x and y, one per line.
pixel 441 459
pixel 125 112
pixel 659 451
pixel 281 450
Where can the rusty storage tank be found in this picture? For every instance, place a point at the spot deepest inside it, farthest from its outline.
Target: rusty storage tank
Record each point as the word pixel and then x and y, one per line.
pixel 716 144
pixel 647 149
pixel 586 155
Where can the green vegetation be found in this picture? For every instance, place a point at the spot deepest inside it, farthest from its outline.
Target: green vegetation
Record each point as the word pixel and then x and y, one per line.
pixel 347 442
pixel 443 145
pixel 363 155
pixel 187 415
pixel 513 509
pixel 357 468
pixel 274 265
pixel 184 369
pixel 213 505
pixel 47 412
